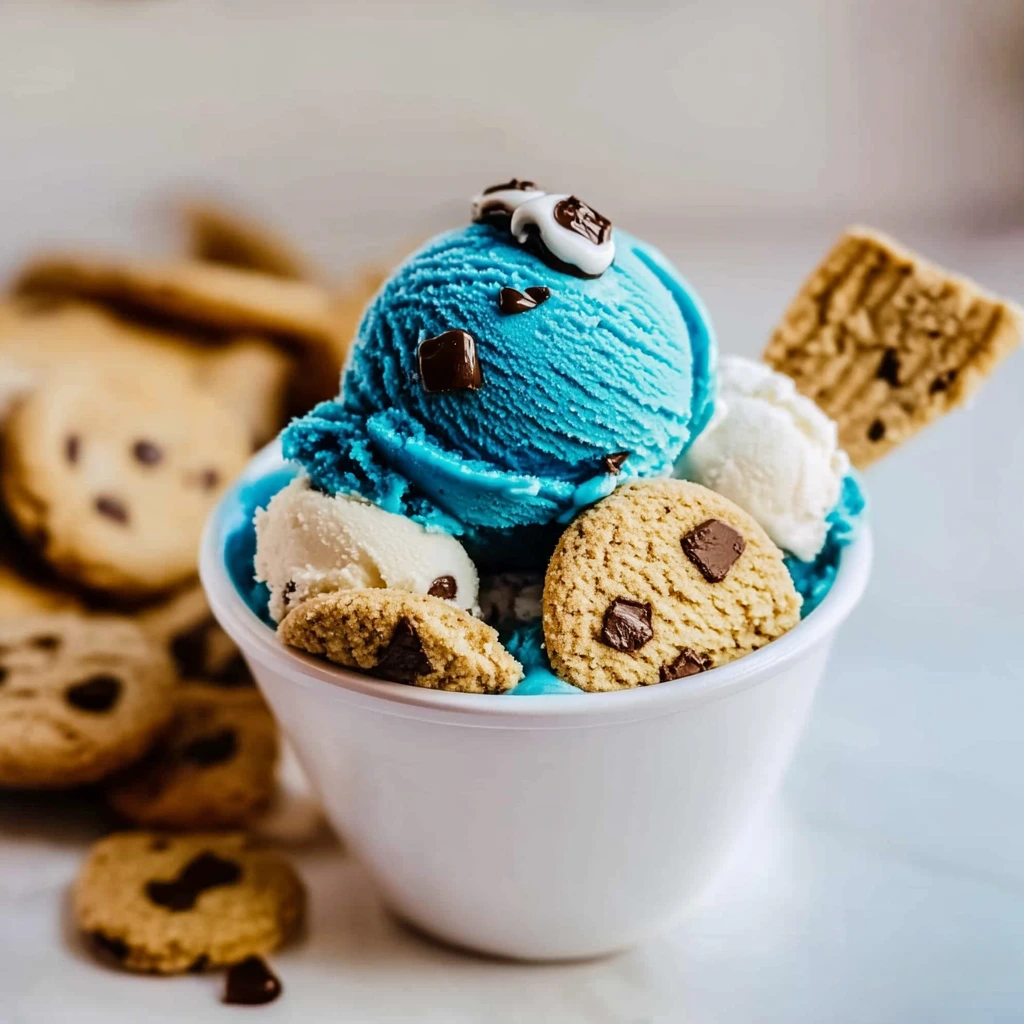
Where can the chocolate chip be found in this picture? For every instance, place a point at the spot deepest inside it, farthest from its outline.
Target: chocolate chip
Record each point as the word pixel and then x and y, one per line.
pixel 574 214
pixel 627 625
pixel 613 463
pixel 889 368
pixel 251 983
pixel 72 448
pixel 148 453
pixel 199 965
pixel 117 948
pixel 713 547
pixel 942 382
pixel 189 650
pixel 876 431
pixel 112 508
pixel 96 694
pixel 688 663
pixel 511 301
pixel 4 673
pixel 404 659
pixel 289 588
pixel 513 185
pixel 448 362
pixel 204 871
pixel 208 479
pixel 234 673
pixel 444 586
pixel 216 748
pixel 46 642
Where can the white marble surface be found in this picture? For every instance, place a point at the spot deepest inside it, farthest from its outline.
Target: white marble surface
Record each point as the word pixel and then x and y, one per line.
pixel 885 885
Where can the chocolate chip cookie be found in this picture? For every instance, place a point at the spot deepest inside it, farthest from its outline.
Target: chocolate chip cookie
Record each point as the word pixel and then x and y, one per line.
pixel 113 483
pixel 167 904
pixel 404 638
pixel 80 697
pixel 661 580
pixel 213 768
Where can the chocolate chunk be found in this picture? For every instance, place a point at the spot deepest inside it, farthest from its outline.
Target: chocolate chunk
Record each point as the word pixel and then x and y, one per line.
pixel 613 463
pixel 148 453
pixel 404 659
pixel 289 588
pixel 111 507
pixel 117 948
pixel 889 368
pixel 688 663
pixel 209 478
pixel 444 586
pixel 574 214
pixel 942 382
pixel 513 185
pixel 4 673
pixel 204 871
pixel 251 983
pixel 627 625
pixel 216 748
pixel 96 694
pixel 713 547
pixel 449 363
pixel 189 650
pixel 511 301
pixel 46 642
pixel 876 431
pixel 72 448
pixel 234 673
pixel 199 965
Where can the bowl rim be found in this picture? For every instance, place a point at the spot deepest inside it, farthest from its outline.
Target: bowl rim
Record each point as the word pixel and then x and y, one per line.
pixel 258 641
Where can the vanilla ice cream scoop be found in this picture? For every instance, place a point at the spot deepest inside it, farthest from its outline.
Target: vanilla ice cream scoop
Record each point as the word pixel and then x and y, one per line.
pixel 308 543
pixel 773 452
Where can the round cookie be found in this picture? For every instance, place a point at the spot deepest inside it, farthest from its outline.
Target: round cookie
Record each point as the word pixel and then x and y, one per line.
pixel 214 768
pixel 168 904
pixel 403 637
pixel 80 697
pixel 113 478
pixel 660 580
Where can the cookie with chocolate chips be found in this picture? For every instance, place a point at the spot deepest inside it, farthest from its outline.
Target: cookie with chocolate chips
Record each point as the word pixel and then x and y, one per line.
pixel 112 477
pixel 80 697
pixel 662 580
pixel 406 638
pixel 167 904
pixel 213 768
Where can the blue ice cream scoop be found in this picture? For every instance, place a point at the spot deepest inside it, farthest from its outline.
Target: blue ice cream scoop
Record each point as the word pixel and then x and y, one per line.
pixel 476 412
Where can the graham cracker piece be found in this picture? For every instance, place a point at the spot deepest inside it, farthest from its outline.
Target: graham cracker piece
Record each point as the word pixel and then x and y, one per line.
pixel 886 342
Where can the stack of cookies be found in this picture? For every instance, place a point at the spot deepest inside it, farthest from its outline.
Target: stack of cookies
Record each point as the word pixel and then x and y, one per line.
pixel 131 394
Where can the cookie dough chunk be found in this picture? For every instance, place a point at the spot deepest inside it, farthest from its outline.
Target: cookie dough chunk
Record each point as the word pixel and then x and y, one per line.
pixel 405 638
pixel 660 580
pixel 214 768
pixel 114 484
pixel 167 904
pixel 886 342
pixel 80 697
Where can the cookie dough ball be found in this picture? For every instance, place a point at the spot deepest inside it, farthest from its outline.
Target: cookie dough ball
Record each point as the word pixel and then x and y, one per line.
pixel 80 697
pixel 661 580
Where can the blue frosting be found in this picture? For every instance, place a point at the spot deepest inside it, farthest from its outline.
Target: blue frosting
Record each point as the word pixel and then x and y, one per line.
pixel 813 580
pixel 623 362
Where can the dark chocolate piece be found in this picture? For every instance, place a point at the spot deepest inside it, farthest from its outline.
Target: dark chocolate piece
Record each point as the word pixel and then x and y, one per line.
pixel 216 748
pixel 713 547
pixel 876 431
pixel 111 507
pixel 574 214
pixel 889 368
pixel 148 453
pixel 448 362
pixel 189 650
pixel 96 694
pixel 404 659
pixel 627 625
pixel 942 382
pixel 613 463
pixel 46 642
pixel 444 586
pixel 251 983
pixel 117 948
pixel 72 448
pixel 688 663
pixel 4 673
pixel 209 478
pixel 511 301
pixel 204 871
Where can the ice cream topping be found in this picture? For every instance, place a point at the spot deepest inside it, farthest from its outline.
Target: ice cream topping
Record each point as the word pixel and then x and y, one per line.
pixel 713 547
pixel 627 625
pixel 511 301
pixel 495 205
pixel 444 586
pixel 688 663
pixel 613 463
pixel 448 362
pixel 565 233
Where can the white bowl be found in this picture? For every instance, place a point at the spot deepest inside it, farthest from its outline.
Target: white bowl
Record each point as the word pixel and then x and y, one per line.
pixel 549 827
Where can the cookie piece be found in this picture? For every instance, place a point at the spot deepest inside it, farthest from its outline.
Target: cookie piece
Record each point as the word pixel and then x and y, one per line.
pixel 113 485
pixel 80 697
pixel 185 626
pixel 213 768
pixel 405 638
pixel 168 904
pixel 660 580
pixel 886 342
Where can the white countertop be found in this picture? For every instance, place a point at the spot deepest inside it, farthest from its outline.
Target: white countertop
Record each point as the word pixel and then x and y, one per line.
pixel 886 883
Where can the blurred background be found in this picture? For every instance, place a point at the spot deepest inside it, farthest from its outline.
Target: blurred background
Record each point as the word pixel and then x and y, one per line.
pixel 740 137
